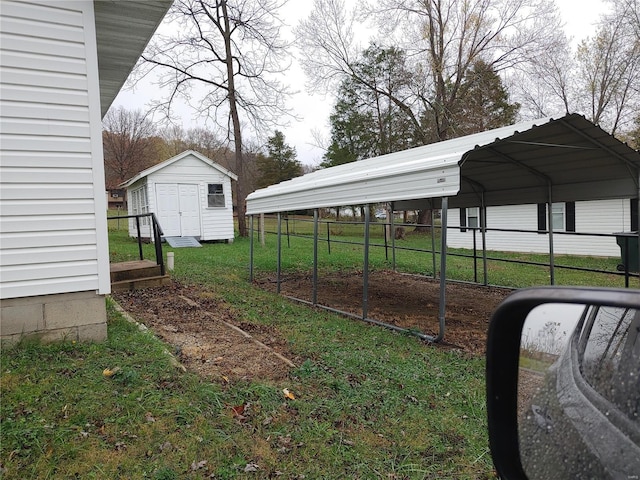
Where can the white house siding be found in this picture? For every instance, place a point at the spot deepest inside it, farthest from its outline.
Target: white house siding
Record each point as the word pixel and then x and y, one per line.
pixel 53 235
pixel 602 216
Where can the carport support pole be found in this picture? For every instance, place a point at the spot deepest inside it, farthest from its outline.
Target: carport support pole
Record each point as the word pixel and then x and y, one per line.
pixel 433 239
pixel 552 270
pixel 315 257
pixel 443 268
pixel 483 229
pixel 279 257
pixel 251 248
pixel 393 236
pixel 365 267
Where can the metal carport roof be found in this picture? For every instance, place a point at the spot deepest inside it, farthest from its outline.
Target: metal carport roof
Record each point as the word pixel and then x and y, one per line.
pixel 540 161
pixel 510 165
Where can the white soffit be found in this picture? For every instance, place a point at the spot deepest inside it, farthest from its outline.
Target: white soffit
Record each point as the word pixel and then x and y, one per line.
pixel 123 29
pixel 509 165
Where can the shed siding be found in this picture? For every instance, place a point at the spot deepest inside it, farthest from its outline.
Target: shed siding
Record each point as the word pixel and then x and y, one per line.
pixel 216 223
pixel 601 216
pixel 53 236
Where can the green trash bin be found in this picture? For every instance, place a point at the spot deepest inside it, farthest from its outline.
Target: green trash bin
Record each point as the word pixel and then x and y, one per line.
pixel 631 238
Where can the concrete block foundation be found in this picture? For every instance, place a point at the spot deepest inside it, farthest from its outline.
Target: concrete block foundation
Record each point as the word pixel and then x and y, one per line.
pixel 79 316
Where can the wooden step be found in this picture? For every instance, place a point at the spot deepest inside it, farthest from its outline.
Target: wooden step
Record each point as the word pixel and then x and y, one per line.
pixel 134 270
pixel 135 284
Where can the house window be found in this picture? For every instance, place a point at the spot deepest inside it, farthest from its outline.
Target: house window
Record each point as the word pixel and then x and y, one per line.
pixel 563 217
pixel 470 217
pixel 473 217
pixel 557 216
pixel 215 196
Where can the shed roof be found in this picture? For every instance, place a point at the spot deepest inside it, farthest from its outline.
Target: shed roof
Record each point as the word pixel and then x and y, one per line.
pixel 123 30
pixel 177 158
pixel 510 165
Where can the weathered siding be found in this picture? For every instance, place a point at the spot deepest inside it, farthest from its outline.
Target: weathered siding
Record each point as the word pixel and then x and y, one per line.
pixel 53 233
pixel 602 216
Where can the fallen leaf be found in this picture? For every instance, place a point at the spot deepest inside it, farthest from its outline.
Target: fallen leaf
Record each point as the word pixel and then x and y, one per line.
pixel 149 418
pixel 251 467
pixel 288 394
pixel 110 372
pixel 238 410
pixel 198 465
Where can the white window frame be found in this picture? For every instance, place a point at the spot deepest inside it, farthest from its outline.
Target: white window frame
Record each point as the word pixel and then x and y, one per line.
pixel 216 196
pixel 473 217
pixel 559 216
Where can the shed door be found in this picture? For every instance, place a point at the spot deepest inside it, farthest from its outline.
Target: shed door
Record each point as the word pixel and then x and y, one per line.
pixel 178 209
pixel 189 210
pixel 168 210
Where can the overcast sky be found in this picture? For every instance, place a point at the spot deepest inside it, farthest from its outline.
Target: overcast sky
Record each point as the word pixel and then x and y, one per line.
pixel 314 110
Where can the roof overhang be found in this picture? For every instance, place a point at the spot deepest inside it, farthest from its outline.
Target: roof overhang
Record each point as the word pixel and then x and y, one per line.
pixel 172 160
pixel 123 29
pixel 568 158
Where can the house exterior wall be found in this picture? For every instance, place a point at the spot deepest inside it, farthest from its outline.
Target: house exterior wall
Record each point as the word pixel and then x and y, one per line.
pixel 53 235
pixel 601 216
pixel 216 223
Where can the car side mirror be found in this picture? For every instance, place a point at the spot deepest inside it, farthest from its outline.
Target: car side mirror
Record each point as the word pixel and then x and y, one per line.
pixel 563 384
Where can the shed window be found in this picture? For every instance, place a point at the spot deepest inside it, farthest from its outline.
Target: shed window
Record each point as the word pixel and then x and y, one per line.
pixel 140 204
pixel 215 196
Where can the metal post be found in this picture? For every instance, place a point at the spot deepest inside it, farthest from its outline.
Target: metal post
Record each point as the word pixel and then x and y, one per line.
pixel 288 239
pixel 443 269
pixel 626 261
pixel 393 237
pixel 433 240
pixel 315 257
pixel 483 227
pixel 139 240
pixel 251 248
pixel 475 256
pixel 552 273
pixel 279 256
pixel 638 219
pixel 329 238
pixel 365 268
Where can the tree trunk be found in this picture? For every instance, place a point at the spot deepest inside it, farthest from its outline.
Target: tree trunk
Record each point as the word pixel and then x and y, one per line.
pixel 235 120
pixel 424 218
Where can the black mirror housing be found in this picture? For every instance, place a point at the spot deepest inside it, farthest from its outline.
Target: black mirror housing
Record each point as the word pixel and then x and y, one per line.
pixel 502 361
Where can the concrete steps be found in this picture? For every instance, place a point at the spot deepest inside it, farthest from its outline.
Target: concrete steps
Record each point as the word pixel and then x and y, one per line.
pixel 137 274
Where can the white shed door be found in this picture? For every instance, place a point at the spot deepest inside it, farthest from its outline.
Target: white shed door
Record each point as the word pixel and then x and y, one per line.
pixel 168 209
pixel 178 209
pixel 189 210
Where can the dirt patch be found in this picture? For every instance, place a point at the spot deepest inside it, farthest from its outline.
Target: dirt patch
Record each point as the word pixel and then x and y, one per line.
pixel 200 330
pixel 407 301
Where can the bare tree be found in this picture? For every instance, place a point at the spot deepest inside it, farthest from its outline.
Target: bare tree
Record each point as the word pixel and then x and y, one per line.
pixel 443 39
pixel 221 61
pixel 127 143
pixel 608 68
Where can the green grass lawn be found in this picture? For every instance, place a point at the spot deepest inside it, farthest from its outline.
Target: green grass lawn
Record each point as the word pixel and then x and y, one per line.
pixel 369 403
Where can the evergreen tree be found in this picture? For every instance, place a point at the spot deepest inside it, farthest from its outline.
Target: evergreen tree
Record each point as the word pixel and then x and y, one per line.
pixel 279 164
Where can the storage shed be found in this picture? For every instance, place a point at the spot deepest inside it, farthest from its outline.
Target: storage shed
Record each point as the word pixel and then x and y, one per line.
pixel 190 195
pixel 543 161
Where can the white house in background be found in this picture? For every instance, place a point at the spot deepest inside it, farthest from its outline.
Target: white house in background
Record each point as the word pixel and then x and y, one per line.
pixel 61 65
pixel 190 195
pixel 597 216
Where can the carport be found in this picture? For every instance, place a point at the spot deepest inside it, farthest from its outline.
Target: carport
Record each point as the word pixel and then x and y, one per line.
pixel 540 161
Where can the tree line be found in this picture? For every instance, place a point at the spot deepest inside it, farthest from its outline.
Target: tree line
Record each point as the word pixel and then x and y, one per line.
pixel 429 70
